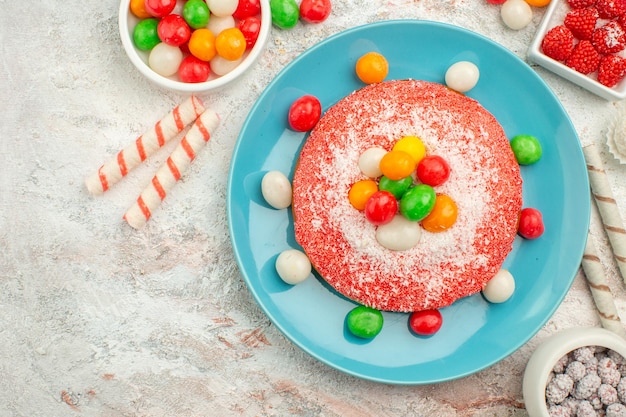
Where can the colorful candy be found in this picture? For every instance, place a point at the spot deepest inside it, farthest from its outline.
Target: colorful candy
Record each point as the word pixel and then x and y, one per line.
pixel 372 68
pixel 364 322
pixel 399 234
pixel 395 187
pixel 426 322
pixel 315 11
pixel 276 190
pixel 199 29
pixel 499 288
pixel 462 76
pixel 442 216
pixel 196 13
pixel 411 145
pixel 396 165
pixel 516 14
pixel 304 113
pixel 369 162
pixel 285 13
pixel 381 207
pixel 293 266
pixel 418 202
pixel 530 223
pixel 360 192
pixel 145 34
pixel 433 170
pixel 527 149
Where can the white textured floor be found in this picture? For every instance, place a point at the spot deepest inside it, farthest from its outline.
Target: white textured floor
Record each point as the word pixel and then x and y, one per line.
pixel 99 319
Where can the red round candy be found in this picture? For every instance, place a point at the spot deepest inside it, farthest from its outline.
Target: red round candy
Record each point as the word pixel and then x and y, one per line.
pixel 159 8
pixel 530 223
pixel 174 30
pixel 193 70
pixel 250 27
pixel 426 322
pixel 247 8
pixel 304 113
pixel 381 207
pixel 433 170
pixel 315 11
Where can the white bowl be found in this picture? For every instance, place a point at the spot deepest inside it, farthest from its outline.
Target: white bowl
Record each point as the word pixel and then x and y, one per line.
pixel 127 22
pixel 554 16
pixel 550 351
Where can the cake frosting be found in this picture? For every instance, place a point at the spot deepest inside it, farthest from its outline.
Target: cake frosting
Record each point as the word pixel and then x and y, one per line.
pixel 484 181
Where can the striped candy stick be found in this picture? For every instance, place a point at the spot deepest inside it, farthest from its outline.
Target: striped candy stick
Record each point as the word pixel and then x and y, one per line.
pixel 145 145
pixel 167 176
pixel 600 290
pixel 607 207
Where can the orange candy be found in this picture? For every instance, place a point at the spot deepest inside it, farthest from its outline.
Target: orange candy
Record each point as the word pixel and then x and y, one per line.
pixel 202 44
pixel 360 192
pixel 538 3
pixel 396 165
pixel 230 44
pixel 443 215
pixel 372 68
pixel 138 9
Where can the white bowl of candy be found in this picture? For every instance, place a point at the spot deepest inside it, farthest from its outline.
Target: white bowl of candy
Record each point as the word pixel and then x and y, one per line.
pixel 194 45
pixel 577 372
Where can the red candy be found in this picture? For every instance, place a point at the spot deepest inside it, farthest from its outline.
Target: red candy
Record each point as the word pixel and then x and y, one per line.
pixel 426 322
pixel 530 223
pixel 433 170
pixel 159 8
pixel 174 30
pixel 250 27
pixel 315 11
pixel 194 70
pixel 381 207
pixel 247 8
pixel 304 113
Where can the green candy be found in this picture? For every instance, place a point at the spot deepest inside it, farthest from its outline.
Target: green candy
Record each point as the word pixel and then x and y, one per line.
pixel 395 187
pixel 285 13
pixel 145 35
pixel 364 322
pixel 526 148
pixel 417 202
pixel 196 13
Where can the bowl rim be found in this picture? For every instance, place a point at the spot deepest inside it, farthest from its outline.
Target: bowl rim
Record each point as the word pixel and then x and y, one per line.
pixel 544 358
pixel 144 69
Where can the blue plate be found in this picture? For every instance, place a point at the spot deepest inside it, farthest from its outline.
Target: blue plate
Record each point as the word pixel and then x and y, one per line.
pixel 475 334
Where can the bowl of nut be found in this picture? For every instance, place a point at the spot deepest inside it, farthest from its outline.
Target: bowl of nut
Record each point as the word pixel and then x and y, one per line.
pixel 577 372
pixel 194 45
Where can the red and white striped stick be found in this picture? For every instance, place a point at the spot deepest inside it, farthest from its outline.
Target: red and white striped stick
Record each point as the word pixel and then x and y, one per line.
pixel 145 145
pixel 171 171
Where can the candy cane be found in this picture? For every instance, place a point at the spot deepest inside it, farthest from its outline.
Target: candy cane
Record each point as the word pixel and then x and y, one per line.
pixel 145 145
pixel 165 178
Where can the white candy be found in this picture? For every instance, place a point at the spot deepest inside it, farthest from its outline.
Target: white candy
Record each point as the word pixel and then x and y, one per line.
pixel 369 162
pixel 399 234
pixel 516 14
pixel 293 266
pixel 500 288
pixel 219 23
pixel 222 66
pixel 165 59
pixel 276 190
pixel 462 76
pixel 222 7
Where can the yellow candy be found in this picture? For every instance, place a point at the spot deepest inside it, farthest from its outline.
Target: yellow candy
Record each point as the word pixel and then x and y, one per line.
pixel 411 145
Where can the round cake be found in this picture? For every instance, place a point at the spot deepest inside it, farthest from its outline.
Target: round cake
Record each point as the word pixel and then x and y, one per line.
pixel 484 182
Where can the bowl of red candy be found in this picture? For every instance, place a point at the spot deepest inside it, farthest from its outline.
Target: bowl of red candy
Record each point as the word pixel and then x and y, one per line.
pixel 584 41
pixel 194 45
pixel 577 372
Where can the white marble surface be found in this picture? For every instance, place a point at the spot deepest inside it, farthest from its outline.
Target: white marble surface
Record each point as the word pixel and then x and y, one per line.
pixel 99 319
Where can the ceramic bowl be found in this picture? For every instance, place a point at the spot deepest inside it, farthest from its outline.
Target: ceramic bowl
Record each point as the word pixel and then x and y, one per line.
pixel 554 16
pixel 544 358
pixel 139 58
